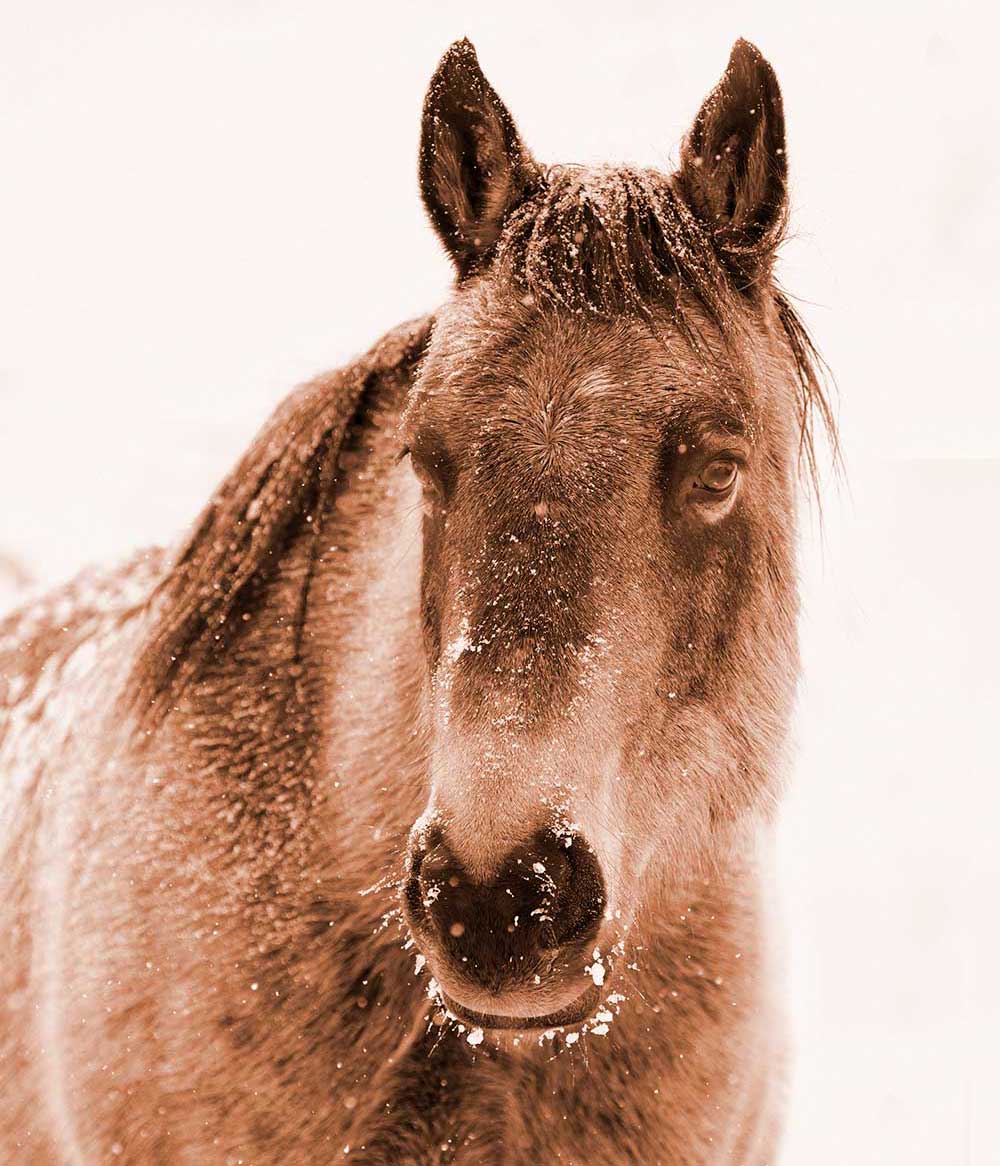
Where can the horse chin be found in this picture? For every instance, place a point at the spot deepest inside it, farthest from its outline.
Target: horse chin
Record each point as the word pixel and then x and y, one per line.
pixel 575 1012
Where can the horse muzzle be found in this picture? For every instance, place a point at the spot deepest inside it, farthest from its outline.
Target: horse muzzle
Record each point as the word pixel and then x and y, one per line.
pixel 512 952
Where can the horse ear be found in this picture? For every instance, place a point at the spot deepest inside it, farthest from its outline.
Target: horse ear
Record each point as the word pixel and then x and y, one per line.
pixel 474 167
pixel 733 171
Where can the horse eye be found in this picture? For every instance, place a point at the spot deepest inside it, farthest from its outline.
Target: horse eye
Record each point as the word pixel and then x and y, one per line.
pixel 433 469
pixel 424 477
pixel 718 476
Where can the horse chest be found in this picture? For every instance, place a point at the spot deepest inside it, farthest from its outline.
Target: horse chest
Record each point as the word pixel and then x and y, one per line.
pixel 445 1103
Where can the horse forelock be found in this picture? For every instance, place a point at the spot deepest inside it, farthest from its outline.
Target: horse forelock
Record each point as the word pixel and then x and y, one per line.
pixel 611 239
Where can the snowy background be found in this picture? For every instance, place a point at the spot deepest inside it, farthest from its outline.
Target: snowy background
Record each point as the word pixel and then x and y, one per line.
pixel 204 203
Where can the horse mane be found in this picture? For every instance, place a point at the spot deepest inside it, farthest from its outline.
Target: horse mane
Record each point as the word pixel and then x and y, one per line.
pixel 282 481
pixel 618 239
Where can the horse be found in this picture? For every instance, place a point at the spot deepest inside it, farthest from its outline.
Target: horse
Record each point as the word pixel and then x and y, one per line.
pixel 418 807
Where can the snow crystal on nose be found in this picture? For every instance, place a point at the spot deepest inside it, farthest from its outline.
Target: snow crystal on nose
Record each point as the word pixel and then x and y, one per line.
pixel 596 970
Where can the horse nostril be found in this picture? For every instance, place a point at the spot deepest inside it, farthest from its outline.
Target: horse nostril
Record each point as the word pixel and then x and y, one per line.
pixel 439 868
pixel 435 879
pixel 583 899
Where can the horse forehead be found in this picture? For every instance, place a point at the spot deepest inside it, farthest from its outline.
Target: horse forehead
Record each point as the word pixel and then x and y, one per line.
pixel 551 426
pixel 564 377
pixel 553 396
pixel 591 375
pixel 610 372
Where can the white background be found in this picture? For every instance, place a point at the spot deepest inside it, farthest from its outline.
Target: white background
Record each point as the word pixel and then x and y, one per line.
pixel 203 203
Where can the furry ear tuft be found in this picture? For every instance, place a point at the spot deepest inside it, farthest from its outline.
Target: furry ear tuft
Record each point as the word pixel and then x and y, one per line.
pixel 733 171
pixel 474 168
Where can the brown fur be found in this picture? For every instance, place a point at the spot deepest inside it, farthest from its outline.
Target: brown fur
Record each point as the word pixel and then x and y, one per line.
pixel 213 766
